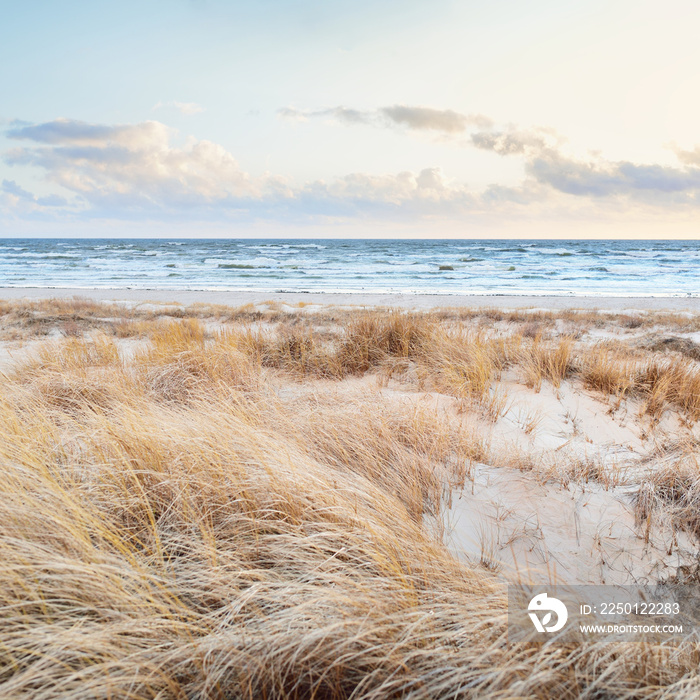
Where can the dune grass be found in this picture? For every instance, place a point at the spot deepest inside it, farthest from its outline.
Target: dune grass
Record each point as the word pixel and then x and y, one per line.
pixel 174 525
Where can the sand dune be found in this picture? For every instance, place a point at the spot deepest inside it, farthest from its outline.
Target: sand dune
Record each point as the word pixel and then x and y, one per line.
pixel 334 501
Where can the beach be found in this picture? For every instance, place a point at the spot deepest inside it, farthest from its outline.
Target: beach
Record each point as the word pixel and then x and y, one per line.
pixel 368 470
pixel 362 299
pixel 349 351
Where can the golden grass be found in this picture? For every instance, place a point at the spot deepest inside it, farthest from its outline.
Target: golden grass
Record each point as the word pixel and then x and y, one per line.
pixel 607 371
pixel 451 351
pixel 37 317
pixel 174 525
pixel 541 362
pixel 660 382
pixel 209 549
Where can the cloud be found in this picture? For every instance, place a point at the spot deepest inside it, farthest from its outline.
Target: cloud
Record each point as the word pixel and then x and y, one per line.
pixel 145 170
pixel 120 170
pixel 607 179
pixel 341 114
pixel 689 157
pixel 542 152
pixel 406 196
pixel 512 141
pixel 350 116
pixel 134 166
pixel 428 184
pixel 446 121
pixel 74 132
pixel 293 114
pixel 18 193
pixel 426 118
pixel 547 164
pixel 11 187
pixel 187 108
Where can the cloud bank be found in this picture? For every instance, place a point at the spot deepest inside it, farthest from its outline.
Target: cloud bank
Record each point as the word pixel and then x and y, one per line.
pixel 145 170
pixel 425 118
pixel 598 178
pixel 119 170
pixel 545 162
pixel 134 166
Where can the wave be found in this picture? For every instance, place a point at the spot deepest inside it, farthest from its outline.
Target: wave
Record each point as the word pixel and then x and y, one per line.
pixel 51 256
pixel 424 291
pixel 561 252
pixel 513 267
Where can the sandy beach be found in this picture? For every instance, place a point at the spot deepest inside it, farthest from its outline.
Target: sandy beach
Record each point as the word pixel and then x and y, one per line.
pixel 541 430
pixel 370 299
pixel 352 462
pixel 350 351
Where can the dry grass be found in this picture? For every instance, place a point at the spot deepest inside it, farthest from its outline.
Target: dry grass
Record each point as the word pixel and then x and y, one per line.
pixel 661 383
pixel 674 490
pixel 607 371
pixel 540 362
pixel 39 317
pixel 156 547
pixel 450 351
pixel 464 364
pixel 675 382
pixel 174 525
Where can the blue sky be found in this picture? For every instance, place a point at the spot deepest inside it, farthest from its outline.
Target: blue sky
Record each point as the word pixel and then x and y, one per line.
pixel 383 118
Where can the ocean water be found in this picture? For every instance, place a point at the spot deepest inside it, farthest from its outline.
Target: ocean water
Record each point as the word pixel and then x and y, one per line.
pixel 562 268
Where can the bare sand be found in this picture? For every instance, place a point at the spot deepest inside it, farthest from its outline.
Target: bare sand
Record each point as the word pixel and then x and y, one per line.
pixel 369 299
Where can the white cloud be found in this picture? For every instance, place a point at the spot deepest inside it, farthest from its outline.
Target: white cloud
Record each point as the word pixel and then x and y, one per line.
pixel 542 151
pixel 596 177
pixel 608 179
pixel 427 185
pixel 134 165
pixel 689 157
pixel 12 188
pixel 132 170
pixel 514 141
pixel 72 132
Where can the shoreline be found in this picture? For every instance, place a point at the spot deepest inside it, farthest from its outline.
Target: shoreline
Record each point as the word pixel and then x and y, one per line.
pixel 373 299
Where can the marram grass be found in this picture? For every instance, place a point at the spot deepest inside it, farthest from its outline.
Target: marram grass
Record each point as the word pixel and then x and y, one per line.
pixel 172 526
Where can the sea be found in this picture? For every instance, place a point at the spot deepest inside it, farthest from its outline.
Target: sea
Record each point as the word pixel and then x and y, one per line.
pixel 659 268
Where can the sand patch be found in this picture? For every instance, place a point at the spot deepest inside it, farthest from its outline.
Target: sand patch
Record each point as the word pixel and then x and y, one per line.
pixel 546 532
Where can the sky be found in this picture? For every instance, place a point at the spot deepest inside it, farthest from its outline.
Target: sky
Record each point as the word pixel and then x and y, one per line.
pixel 381 118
